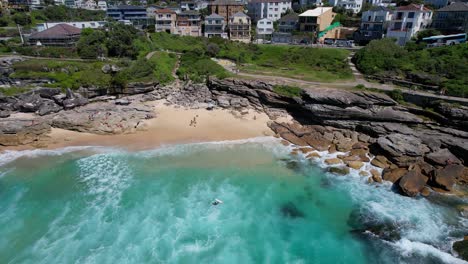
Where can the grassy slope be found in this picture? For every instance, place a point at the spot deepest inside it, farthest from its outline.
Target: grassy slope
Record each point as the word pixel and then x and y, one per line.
pixel 297 62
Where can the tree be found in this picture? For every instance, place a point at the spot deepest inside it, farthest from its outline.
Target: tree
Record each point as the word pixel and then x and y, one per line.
pixel 120 40
pixel 92 44
pixel 427 33
pixel 22 19
pixel 212 49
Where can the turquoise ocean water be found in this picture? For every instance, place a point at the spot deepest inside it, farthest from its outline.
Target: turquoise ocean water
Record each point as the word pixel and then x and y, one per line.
pixel 102 205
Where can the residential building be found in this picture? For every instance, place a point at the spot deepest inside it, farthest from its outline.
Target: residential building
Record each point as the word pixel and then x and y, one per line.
pixel 316 20
pixel 102 5
pixel 239 27
pixel 407 21
pixel 353 5
pixel 165 20
pixel 187 5
pixel 452 18
pixel 306 3
pixel 188 23
pixel 271 9
pixel 436 3
pixel 60 35
pixel 215 26
pixel 286 25
pixel 385 3
pixel 81 24
pixel 374 24
pixel 225 8
pixel 264 28
pixel 135 14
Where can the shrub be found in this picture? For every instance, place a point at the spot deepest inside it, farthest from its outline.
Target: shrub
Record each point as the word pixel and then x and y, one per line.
pixel 289 91
pixel 396 95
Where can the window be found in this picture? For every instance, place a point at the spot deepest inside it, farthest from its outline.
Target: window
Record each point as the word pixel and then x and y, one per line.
pixel 268 23
pixel 168 16
pixel 399 15
pixel 409 25
pixel 397 26
pixel 411 15
pixel 276 9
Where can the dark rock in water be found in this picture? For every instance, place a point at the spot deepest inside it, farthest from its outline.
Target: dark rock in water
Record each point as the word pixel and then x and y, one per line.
pixel 339 170
pixel 412 183
pixel 363 222
pixel 461 247
pixel 293 165
pixel 393 175
pixel 290 210
pixel 445 178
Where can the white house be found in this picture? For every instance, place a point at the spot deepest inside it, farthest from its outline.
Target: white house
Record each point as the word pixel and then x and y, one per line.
pixel 271 9
pixel 264 28
pixel 407 21
pixel 82 24
pixel 354 5
pixel 215 26
pixel 102 5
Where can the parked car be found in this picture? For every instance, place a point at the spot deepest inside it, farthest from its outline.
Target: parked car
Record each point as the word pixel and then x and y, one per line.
pixel 328 41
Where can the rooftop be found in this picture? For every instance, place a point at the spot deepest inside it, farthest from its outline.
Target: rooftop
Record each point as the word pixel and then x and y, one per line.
pixel 240 14
pixel 379 8
pixel 454 7
pixel 413 7
pixel 269 1
pixel 315 12
pixel 214 16
pixel 164 11
pixel 127 7
pixel 58 31
pixel 290 17
pixel 226 2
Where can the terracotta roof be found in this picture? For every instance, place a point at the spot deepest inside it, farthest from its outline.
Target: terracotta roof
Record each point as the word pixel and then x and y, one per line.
pixel 455 7
pixel 58 31
pixel 164 11
pixel 412 7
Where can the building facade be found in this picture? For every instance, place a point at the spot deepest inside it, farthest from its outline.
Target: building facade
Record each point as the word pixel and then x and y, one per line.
pixel 316 20
pixel 452 18
pixel 188 23
pixel 81 25
pixel 264 29
pixel 239 27
pixel 270 9
pixel 353 5
pixel 407 21
pixel 215 26
pixel 286 26
pixel 225 8
pixel 134 14
pixel 165 21
pixel 374 24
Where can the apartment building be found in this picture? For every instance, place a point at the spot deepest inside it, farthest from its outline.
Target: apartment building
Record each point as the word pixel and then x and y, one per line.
pixel 374 24
pixel 452 18
pixel 353 5
pixel 225 8
pixel 188 23
pixel 215 26
pixel 270 9
pixel 165 20
pixel 407 21
pixel 316 20
pixel 239 27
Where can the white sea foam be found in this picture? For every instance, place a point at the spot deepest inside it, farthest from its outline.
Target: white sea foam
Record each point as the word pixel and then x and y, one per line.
pixel 408 248
pixel 8 156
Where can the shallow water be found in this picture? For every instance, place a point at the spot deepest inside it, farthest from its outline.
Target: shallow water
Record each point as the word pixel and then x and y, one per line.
pixel 91 205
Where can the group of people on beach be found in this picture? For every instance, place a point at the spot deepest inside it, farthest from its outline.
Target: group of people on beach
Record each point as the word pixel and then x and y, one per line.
pixel 193 122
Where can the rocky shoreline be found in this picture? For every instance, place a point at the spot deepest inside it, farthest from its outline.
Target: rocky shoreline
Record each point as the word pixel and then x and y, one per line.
pixel 418 150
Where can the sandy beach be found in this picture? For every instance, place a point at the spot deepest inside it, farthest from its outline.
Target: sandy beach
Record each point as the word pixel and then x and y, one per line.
pixel 171 125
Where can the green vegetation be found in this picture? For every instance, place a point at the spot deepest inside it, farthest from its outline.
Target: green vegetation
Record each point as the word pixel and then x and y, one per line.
pixel 286 90
pixel 197 66
pixel 117 41
pixel 66 74
pixel 49 52
pixel 444 66
pixel 13 90
pixel 396 95
pixel 158 68
pixel 297 62
pixel 63 13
